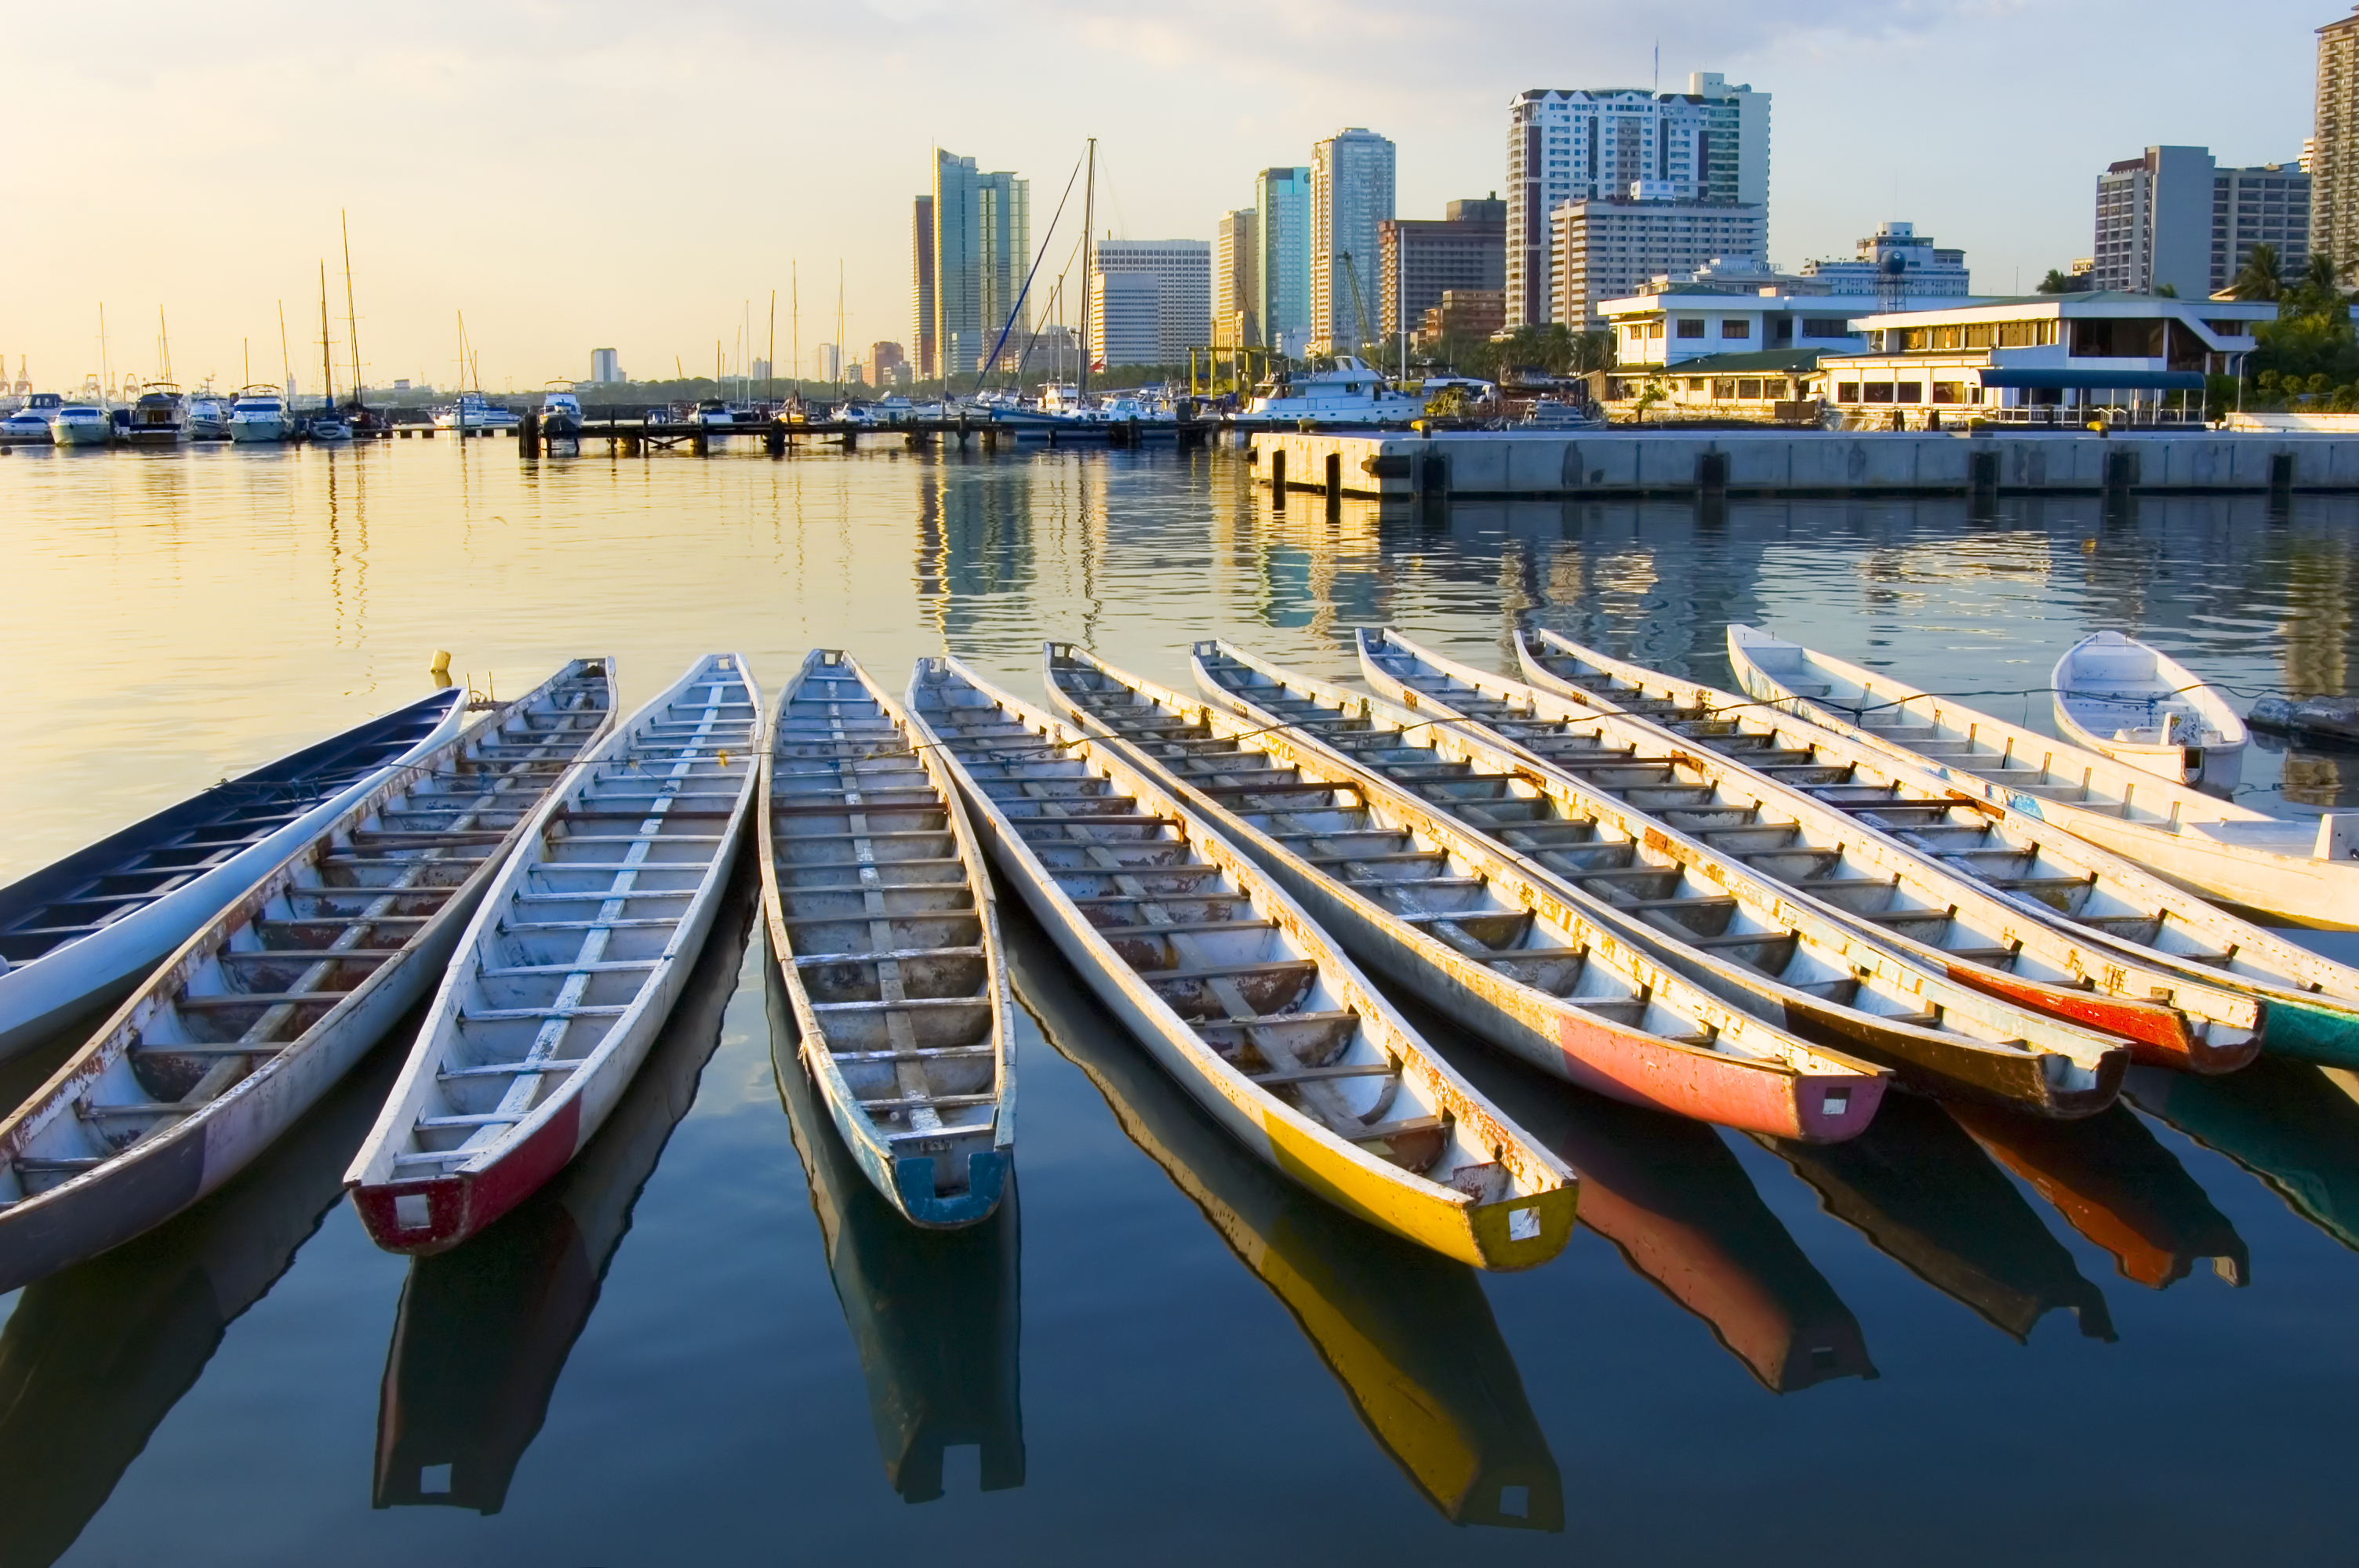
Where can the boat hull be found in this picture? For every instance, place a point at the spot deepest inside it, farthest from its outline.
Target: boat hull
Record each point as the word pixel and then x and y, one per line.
pixel 248 432
pixel 80 432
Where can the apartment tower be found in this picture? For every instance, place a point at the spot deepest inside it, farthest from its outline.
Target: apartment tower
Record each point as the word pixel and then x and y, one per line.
pixel 922 288
pixel 1282 270
pixel 983 247
pixel 2332 160
pixel 1351 194
pixel 1235 249
pixel 1709 144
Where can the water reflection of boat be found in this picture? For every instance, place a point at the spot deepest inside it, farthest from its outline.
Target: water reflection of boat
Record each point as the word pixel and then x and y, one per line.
pixel 935 1314
pixel 1918 1188
pixel 2115 1183
pixel 2294 1126
pixel 1407 1332
pixel 1679 1208
pixel 93 1358
pixel 484 1330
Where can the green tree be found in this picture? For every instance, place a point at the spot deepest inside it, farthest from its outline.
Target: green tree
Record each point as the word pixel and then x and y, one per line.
pixel 2260 278
pixel 2064 283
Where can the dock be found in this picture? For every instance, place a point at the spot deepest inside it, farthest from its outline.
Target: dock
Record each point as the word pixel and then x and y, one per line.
pixel 1603 462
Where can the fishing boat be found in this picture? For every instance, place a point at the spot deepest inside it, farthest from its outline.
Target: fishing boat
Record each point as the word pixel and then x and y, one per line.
pixel 1813 847
pixel 583 944
pixel 241 1030
pixel 2135 704
pixel 157 416
pixel 29 424
pixel 78 932
pixel 481 1333
pixel 882 916
pixel 2311 1002
pixel 1702 911
pixel 936 1315
pixel 81 425
pixel 1465 927
pixel 1407 1333
pixel 259 416
pixel 1229 985
pixel 2304 874
pixel 1348 391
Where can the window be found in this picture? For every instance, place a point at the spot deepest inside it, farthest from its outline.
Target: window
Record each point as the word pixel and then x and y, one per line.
pixel 1947 337
pixel 1825 327
pixel 1691 326
pixel 2020 334
pixel 1722 389
pixel 1654 328
pixel 1877 391
pixel 1736 327
pixel 1846 392
pixel 1949 391
pixel 1908 391
pixel 1980 335
pixel 1749 387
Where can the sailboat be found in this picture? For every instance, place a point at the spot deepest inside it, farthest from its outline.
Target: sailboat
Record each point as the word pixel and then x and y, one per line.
pixel 327 427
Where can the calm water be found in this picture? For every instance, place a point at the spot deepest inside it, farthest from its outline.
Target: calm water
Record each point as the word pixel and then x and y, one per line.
pixel 1955 1341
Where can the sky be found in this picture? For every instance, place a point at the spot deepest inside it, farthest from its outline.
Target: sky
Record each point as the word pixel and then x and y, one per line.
pixel 603 174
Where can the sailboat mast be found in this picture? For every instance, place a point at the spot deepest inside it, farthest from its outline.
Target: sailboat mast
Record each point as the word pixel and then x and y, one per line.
pixel 839 326
pixel 1089 231
pixel 770 354
pixel 286 365
pixel 352 317
pixel 164 342
pixel 327 363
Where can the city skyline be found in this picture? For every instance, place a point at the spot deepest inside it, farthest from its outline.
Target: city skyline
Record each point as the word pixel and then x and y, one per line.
pixel 659 256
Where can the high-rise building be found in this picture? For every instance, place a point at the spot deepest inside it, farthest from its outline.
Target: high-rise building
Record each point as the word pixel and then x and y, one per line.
pixel 1607 247
pixel 1282 270
pixel 1125 309
pixel 2333 152
pixel 827 363
pixel 605 366
pixel 983 247
pixel 884 359
pixel 1182 270
pixel 1235 247
pixel 921 290
pixel 1710 144
pixel 2172 217
pixel 1467 249
pixel 1898 260
pixel 1351 193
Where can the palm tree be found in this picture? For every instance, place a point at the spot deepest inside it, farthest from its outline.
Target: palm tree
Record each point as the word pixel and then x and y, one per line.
pixel 2321 273
pixel 2258 279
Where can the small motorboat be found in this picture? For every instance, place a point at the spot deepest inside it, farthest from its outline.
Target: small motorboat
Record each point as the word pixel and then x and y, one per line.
pixel 561 416
pixel 29 426
pixel 258 416
pixel 1235 990
pixel 76 931
pixel 2306 873
pixel 714 415
pixel 584 941
pixel 328 430
pixel 259 1013
pixel 81 425
pixel 2135 704
pixel 892 964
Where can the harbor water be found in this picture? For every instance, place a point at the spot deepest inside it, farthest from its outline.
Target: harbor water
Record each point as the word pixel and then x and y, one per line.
pixel 1961 1339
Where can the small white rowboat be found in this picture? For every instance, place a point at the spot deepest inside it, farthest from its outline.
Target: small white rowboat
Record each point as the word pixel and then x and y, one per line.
pixel 2305 873
pixel 260 1012
pixel 1227 982
pixel 568 969
pixel 886 932
pixel 2138 705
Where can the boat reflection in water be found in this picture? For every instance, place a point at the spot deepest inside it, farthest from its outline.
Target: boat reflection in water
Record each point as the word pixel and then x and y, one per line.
pixel 935 1314
pixel 2294 1126
pixel 1918 1188
pixel 1407 1332
pixel 2114 1183
pixel 1676 1202
pixel 93 1358
pixel 485 1329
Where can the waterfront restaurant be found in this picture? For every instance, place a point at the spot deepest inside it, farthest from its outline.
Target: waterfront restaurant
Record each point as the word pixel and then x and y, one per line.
pixel 2044 359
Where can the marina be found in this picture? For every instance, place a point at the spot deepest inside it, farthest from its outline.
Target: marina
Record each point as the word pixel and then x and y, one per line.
pixel 1276 867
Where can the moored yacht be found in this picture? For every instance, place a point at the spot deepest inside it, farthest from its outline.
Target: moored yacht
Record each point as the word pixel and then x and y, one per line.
pixel 81 425
pixel 29 426
pixel 474 411
pixel 258 414
pixel 156 418
pixel 561 416
pixel 1348 391
pixel 208 417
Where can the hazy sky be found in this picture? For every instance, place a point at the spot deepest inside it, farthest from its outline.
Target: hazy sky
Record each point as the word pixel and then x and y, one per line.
pixel 599 173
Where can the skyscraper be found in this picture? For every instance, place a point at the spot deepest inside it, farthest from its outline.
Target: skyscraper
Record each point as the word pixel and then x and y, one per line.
pixel 1351 193
pixel 605 366
pixel 1235 244
pixel 921 291
pixel 983 247
pixel 1282 272
pixel 1182 270
pixel 1710 144
pixel 2333 156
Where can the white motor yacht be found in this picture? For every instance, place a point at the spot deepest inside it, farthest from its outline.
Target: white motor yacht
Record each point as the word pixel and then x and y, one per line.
pixel 81 425
pixel 474 411
pixel 258 414
pixel 1349 391
pixel 208 418
pixel 561 416
pixel 157 416
pixel 714 412
pixel 29 426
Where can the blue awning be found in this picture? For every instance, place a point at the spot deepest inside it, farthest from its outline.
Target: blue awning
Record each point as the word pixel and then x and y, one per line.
pixel 2044 380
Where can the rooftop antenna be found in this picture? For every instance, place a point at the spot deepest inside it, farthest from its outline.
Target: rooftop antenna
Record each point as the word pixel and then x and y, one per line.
pixel 1659 68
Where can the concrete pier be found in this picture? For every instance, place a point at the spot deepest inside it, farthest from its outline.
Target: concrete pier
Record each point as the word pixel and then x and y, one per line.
pixel 1620 461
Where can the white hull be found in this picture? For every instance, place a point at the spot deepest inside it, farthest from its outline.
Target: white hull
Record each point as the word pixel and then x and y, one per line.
pixel 82 432
pixel 256 432
pixel 2138 705
pixel 2305 873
